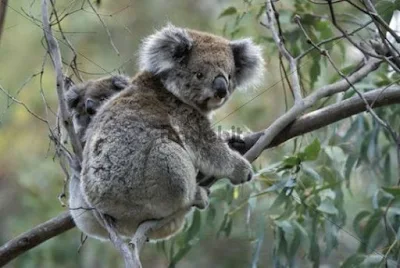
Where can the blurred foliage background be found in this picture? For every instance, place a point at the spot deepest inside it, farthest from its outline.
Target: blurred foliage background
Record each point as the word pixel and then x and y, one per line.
pixel 318 200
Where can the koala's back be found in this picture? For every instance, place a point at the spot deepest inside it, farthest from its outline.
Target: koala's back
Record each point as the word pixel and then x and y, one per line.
pixel 131 144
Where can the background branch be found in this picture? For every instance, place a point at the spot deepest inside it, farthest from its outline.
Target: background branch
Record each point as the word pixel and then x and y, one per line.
pixel 3 9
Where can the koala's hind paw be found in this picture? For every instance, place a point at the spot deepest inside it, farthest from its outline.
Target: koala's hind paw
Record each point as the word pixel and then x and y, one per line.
pixel 201 198
pixel 243 173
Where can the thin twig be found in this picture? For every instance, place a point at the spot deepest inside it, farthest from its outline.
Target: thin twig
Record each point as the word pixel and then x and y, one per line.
pixel 23 105
pixel 55 54
pixel 271 21
pixel 105 27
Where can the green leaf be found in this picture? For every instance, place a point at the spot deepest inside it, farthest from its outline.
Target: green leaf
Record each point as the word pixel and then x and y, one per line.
pixel 385 9
pixel 281 199
pixel 228 12
pixel 353 261
pixel 328 207
pixel 287 229
pixel 350 162
pixel 311 152
pixel 226 226
pixel 357 222
pixel 194 227
pixel 314 251
pixel 372 223
pixel 290 162
pixel 211 214
pixel 315 70
pixel 387 174
pixel 311 173
pixel 395 191
pixel 178 256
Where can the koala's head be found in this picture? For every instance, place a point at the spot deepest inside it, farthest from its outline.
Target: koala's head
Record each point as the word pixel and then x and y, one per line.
pixel 83 100
pixel 199 68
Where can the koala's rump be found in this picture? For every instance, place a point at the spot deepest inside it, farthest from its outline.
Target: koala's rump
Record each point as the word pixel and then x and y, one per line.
pixel 136 169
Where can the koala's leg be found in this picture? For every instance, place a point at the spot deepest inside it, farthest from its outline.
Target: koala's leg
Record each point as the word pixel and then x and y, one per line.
pixel 167 186
pixel 82 213
pixel 150 229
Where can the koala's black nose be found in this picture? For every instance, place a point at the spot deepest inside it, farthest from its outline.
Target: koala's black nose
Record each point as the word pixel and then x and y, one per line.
pixel 220 86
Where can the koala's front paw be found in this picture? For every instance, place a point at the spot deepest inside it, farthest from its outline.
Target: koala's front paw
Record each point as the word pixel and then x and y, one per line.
pixel 243 172
pixel 201 198
pixel 238 144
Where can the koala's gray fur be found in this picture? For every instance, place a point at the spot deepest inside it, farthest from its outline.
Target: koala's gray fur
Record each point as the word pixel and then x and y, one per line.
pixel 84 99
pixel 147 143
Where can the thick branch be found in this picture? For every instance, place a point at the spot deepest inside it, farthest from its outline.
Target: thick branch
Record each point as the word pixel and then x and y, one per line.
pixel 305 124
pixel 328 115
pixel 34 237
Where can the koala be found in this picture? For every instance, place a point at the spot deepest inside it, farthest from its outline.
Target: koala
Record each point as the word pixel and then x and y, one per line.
pixel 83 100
pixel 146 145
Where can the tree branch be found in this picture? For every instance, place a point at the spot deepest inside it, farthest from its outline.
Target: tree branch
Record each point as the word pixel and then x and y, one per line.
pixel 54 51
pixel 271 21
pixel 36 236
pixel 304 124
pixel 3 9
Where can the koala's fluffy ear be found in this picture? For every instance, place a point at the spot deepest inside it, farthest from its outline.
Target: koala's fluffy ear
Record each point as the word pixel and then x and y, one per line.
pixel 164 49
pixel 72 97
pixel 249 62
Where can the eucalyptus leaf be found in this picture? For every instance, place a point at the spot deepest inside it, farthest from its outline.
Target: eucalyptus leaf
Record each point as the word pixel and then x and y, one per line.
pixel 228 12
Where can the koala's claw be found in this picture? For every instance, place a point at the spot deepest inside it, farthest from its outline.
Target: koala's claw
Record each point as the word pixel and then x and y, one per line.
pixel 238 144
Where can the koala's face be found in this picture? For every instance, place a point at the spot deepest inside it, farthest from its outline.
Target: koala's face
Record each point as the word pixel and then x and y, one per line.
pixel 199 68
pixel 85 99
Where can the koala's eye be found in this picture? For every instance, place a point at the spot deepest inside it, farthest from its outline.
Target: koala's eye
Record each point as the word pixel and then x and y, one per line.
pixel 103 98
pixel 229 77
pixel 199 75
